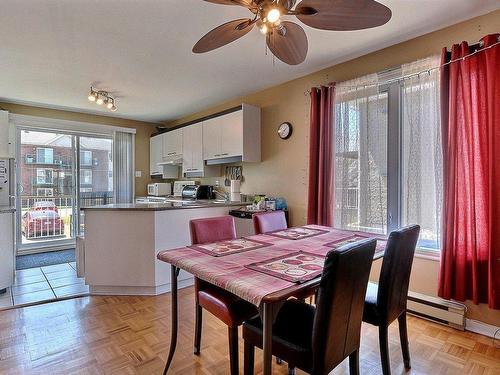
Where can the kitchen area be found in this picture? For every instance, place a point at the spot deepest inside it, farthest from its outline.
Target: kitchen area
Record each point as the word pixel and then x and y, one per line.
pixel 200 169
pixel 196 171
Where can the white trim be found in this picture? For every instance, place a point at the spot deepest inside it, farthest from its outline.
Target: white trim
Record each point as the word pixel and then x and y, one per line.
pixel 482 328
pixel 46 123
pixel 428 254
pixel 115 115
pixel 138 290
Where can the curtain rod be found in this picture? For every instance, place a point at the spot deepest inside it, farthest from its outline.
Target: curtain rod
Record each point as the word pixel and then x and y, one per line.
pixel 428 71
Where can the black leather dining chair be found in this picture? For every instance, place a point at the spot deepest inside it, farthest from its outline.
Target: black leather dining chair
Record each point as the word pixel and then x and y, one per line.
pixel 386 301
pixel 317 338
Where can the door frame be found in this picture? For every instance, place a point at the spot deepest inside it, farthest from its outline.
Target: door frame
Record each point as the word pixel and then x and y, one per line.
pixel 58 244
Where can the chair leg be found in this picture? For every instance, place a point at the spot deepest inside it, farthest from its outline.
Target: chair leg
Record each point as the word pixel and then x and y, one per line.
pixel 197 329
pixel 233 350
pixel 249 359
pixel 403 337
pixel 354 363
pixel 384 349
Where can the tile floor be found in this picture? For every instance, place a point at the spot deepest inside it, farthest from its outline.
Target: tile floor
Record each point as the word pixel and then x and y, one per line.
pixel 44 283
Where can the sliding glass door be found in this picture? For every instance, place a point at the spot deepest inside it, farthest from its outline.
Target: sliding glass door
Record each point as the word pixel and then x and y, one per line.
pixel 58 172
pixel 95 176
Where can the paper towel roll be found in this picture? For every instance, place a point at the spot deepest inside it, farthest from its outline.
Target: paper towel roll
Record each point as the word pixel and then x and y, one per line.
pixel 235 186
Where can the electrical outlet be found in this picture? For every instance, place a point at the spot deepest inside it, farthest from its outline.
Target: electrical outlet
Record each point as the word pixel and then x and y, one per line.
pixel 138 174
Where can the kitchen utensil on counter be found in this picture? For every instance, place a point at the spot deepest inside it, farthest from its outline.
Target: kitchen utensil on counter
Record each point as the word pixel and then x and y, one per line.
pixel 232 173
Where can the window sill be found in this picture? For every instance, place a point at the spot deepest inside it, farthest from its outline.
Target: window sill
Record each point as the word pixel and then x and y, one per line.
pixel 428 254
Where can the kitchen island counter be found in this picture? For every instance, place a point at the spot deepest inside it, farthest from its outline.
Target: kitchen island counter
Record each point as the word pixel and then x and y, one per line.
pixel 117 252
pixel 163 206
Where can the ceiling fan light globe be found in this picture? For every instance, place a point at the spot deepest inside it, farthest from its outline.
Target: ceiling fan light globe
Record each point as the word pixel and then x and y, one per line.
pixel 263 29
pixel 109 105
pixel 273 15
pixel 91 98
pixel 113 108
pixel 99 101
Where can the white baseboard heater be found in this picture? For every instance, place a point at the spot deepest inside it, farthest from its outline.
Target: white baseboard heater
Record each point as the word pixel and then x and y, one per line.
pixel 437 310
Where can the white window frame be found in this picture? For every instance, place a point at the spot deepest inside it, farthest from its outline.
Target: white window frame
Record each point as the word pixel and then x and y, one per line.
pixel 38 170
pixel 45 190
pixel 86 175
pixel 395 164
pixel 45 149
pixel 83 158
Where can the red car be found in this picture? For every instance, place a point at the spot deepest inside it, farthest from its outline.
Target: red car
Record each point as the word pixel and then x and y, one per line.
pixel 44 206
pixel 42 223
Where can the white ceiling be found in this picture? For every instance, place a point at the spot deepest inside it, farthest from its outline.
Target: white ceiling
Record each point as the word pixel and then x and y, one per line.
pixel 140 50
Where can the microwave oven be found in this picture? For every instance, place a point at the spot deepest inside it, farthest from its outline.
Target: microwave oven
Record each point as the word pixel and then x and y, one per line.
pixel 159 189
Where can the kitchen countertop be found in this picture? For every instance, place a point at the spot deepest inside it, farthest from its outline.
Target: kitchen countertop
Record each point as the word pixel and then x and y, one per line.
pixel 163 206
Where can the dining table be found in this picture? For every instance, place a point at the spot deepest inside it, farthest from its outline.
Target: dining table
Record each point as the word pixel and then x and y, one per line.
pixel 265 270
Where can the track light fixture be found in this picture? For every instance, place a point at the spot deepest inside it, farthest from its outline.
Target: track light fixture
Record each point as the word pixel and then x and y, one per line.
pixel 101 97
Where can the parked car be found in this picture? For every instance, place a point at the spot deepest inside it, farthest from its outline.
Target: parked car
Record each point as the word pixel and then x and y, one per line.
pixel 42 223
pixel 44 206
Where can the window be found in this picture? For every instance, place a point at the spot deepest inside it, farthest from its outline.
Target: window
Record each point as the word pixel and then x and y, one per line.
pixel 86 158
pixel 360 163
pixel 85 190
pixel 85 177
pixel 388 162
pixel 44 155
pixel 45 192
pixel 44 176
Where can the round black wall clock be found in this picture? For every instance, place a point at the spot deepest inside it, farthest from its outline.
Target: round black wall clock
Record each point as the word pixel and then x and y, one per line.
pixel 285 130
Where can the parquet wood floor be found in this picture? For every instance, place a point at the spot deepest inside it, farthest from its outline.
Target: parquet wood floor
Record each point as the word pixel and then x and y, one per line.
pixel 130 335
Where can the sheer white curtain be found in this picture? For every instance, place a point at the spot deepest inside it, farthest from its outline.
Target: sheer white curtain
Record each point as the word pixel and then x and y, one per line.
pixel 123 157
pixel 360 165
pixel 422 172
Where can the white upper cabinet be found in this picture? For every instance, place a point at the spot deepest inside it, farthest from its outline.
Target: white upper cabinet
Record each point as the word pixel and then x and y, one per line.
pixel 231 131
pixel 192 149
pixel 226 138
pixel 233 135
pixel 172 144
pixel 211 139
pixel 155 155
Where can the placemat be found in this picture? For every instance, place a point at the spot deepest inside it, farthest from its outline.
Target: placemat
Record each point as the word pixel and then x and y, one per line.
pixel 298 233
pixel 223 248
pixel 297 267
pixel 380 247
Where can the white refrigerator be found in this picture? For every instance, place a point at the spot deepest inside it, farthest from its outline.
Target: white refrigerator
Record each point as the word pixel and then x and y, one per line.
pixel 7 214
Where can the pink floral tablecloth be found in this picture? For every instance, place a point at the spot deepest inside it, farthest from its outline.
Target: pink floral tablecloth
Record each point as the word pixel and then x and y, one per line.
pixel 230 272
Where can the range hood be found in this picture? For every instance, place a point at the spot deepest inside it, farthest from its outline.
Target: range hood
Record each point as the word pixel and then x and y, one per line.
pixel 228 160
pixel 173 160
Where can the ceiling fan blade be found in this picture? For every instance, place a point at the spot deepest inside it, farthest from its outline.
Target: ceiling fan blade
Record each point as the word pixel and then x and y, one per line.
pixel 245 3
pixel 343 15
pixel 289 45
pixel 223 34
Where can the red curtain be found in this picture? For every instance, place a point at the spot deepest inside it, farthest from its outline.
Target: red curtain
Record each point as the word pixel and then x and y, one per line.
pixel 320 195
pixel 470 263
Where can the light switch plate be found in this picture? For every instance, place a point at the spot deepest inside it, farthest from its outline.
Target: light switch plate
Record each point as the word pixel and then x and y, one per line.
pixel 138 173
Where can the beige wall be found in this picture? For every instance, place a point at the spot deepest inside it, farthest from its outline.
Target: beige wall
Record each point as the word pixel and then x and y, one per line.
pixel 144 130
pixel 283 171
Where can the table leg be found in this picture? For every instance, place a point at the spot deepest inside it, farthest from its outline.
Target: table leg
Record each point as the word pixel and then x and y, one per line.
pixel 267 336
pixel 174 318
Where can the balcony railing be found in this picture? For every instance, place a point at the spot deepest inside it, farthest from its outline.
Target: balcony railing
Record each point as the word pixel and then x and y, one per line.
pixel 38 224
pixel 88 199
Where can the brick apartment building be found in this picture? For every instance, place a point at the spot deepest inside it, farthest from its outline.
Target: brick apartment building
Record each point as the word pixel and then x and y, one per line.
pixel 47 169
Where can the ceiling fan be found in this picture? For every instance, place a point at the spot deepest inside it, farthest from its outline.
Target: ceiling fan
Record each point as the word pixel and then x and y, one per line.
pixel 287 40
